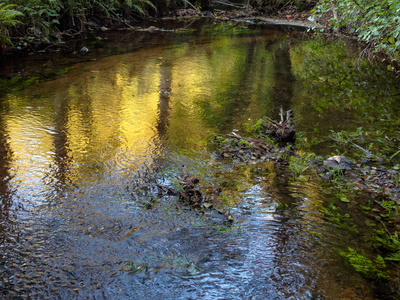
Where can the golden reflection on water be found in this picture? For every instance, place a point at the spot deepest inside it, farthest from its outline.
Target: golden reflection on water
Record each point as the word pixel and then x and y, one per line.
pixel 119 112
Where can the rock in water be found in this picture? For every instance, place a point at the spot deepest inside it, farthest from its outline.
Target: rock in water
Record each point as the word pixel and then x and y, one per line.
pixel 84 50
pixel 338 163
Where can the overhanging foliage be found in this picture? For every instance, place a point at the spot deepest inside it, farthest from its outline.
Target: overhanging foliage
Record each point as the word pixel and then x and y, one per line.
pixel 376 22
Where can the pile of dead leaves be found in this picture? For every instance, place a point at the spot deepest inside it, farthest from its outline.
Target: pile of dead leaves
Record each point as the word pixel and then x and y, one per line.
pixel 191 193
pixel 245 149
pixel 379 180
pixel 271 144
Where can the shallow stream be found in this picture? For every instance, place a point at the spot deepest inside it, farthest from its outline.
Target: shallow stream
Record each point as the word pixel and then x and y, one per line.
pixel 81 151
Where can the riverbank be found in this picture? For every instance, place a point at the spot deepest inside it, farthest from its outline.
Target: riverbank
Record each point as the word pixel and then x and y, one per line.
pixel 47 27
pixel 65 41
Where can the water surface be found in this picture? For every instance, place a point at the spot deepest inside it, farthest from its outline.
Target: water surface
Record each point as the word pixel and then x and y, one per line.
pixel 80 154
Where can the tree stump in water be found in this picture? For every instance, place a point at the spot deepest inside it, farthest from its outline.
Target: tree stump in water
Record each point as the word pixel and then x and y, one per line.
pixel 282 131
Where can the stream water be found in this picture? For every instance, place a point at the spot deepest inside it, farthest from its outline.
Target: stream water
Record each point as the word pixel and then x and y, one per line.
pixel 81 151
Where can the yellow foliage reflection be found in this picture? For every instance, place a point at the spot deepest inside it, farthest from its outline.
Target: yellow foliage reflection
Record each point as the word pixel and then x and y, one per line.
pixel 119 112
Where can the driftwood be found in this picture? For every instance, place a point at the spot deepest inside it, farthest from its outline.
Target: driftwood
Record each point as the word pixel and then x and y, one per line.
pixel 282 131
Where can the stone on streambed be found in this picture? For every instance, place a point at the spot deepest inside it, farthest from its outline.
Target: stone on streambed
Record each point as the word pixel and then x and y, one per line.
pixel 84 50
pixel 338 163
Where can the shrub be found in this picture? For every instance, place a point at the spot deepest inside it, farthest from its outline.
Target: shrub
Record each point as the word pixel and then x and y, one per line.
pixel 375 22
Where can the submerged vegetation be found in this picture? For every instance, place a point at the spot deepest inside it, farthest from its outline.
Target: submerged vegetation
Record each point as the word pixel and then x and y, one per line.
pixel 368 268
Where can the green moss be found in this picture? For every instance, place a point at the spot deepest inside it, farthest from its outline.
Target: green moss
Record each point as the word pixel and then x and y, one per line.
pixel 65 70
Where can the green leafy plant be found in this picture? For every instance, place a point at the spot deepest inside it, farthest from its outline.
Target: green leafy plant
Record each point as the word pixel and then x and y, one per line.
pixel 245 143
pixel 343 197
pixel 8 18
pixel 393 257
pixel 345 137
pixel 333 214
pixel 374 22
pixel 396 176
pixel 387 241
pixel 368 268
pixel 303 142
pixel 298 164
pixel 41 18
pixel 390 209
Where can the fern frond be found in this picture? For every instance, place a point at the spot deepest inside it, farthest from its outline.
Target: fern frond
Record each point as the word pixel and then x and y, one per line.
pixel 8 15
pixel 149 3
pixel 4 40
pixel 138 9
pixel 139 5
